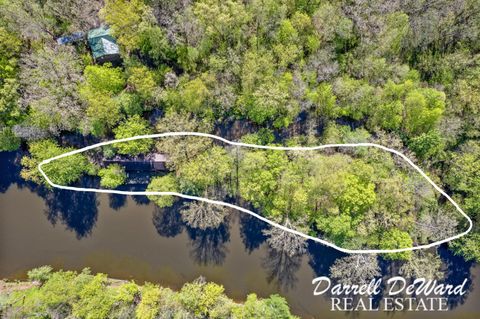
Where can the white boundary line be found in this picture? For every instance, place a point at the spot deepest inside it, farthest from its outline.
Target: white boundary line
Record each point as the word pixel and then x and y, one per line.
pixel 283 148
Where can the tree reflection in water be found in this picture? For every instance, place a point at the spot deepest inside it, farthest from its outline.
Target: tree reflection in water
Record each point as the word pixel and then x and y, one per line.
pixel 282 268
pixel 78 211
pixel 116 201
pixel 321 257
pixel 9 169
pixel 208 246
pixel 456 270
pixel 251 232
pixel 168 221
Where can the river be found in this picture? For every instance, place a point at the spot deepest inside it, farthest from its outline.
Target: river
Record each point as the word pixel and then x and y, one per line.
pixel 129 238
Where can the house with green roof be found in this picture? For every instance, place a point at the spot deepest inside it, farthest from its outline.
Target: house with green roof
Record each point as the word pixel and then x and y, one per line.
pixel 103 46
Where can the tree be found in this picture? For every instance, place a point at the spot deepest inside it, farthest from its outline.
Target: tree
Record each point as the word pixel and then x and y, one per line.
pixel 112 176
pixel 224 22
pixel 51 77
pixel 205 170
pixel 148 307
pixel 95 301
pixel 200 298
pixel 284 241
pixel 133 126
pixel 101 84
pixel 182 149
pixel 355 97
pixel 422 265
pixel 270 308
pixel 324 101
pixel 62 171
pixel 203 215
pixel 155 44
pixel 423 109
pixel 467 246
pixel 355 269
pixel 394 239
pixel 259 172
pixel 141 79
pixel 191 96
pixel 462 175
pixel 127 20
pixel 166 183
pixel 40 274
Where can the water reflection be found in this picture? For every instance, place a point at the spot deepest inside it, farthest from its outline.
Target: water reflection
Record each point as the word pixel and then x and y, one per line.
pixel 456 270
pixel 9 169
pixel 168 222
pixel 251 231
pixel 116 201
pixel 207 247
pixel 282 268
pixel 321 258
pixel 79 212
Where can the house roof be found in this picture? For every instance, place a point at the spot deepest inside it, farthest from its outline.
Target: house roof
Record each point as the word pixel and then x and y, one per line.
pixel 102 43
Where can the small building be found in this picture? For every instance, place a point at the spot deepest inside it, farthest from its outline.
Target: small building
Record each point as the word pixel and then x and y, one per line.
pixel 103 46
pixel 149 162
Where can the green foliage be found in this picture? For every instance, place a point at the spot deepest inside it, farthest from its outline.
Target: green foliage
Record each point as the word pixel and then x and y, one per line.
pixel 205 170
pixel 133 126
pixel 423 109
pixel 66 294
pixel 200 298
pixel 40 274
pixel 395 239
pixel 427 145
pixel 154 43
pixel 8 140
pixel 63 171
pixel 141 79
pixel 148 307
pixel 167 183
pixel 191 96
pixel 270 308
pixel 324 101
pixel 95 299
pixel 112 176
pixel 127 20
pixel 100 86
pixel 355 97
pixel 462 175
pixel 467 247
pixel 103 79
pixel 259 172
pixel 414 110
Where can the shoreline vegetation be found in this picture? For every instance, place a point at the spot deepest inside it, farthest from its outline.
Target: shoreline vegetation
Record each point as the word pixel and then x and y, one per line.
pixel 404 74
pixel 61 294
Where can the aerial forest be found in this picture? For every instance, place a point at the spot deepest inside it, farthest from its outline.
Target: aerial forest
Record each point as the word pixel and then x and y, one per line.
pixel 403 74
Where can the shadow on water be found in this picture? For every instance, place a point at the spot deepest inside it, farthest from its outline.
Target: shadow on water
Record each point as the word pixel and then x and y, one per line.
pixel 208 247
pixel 78 211
pixel 251 232
pixel 9 169
pixel 321 258
pixel 282 268
pixel 167 221
pixel 116 201
pixel 457 269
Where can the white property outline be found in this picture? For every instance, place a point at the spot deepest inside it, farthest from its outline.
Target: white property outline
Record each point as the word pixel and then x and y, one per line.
pixel 279 148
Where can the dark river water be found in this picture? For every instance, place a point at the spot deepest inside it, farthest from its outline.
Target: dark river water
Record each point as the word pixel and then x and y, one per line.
pixel 129 238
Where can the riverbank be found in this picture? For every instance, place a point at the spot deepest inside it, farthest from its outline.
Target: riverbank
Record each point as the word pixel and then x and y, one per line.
pixel 86 295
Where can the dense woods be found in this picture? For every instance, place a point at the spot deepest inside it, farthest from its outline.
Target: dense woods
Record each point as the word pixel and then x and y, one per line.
pixel 69 294
pixel 404 74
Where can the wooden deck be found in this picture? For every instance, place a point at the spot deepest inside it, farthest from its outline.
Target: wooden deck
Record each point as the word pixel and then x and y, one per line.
pixel 149 162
